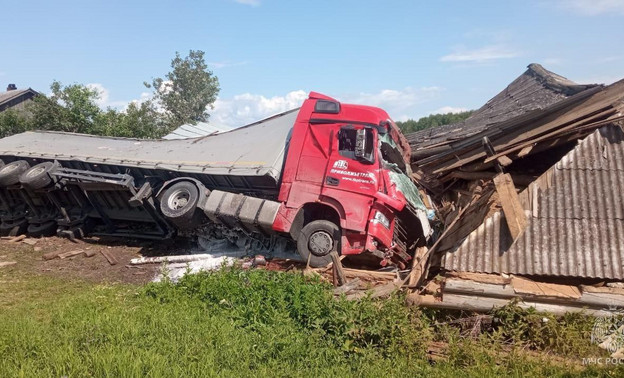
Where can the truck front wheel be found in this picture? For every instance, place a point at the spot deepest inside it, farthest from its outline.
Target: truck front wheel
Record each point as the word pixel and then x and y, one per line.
pixel 318 239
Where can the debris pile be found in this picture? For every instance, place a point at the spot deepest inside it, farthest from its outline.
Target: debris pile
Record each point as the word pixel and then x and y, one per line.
pixel 528 192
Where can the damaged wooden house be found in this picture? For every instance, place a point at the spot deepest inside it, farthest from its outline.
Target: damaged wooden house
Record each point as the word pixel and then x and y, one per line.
pixel 529 192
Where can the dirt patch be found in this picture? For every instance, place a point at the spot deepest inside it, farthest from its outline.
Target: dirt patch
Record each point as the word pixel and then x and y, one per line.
pixel 29 258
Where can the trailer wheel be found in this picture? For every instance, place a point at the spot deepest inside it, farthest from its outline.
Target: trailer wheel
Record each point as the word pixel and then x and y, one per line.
pixel 179 203
pixel 13 228
pixel 38 176
pixel 317 240
pixel 42 229
pixel 10 173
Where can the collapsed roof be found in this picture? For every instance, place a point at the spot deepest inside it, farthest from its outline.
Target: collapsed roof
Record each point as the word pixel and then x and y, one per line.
pixel 537 112
pixel 537 88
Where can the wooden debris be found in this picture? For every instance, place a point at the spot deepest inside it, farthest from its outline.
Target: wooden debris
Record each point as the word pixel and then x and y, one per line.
pixel 514 213
pixel 7 263
pixel 14 239
pixel 339 275
pixel 111 259
pixel 89 253
pixel 51 255
pixel 525 286
pixel 70 254
pixel 458 294
pixel 481 277
pixel 417 266
pixel 30 241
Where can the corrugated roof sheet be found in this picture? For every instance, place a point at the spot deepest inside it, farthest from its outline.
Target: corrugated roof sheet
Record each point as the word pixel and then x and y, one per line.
pixel 576 219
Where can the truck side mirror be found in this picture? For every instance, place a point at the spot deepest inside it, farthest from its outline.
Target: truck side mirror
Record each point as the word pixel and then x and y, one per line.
pixel 364 145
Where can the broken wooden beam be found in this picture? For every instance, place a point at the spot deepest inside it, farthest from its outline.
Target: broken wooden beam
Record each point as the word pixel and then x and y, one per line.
pixel 111 259
pixel 65 255
pixel 339 275
pixel 51 255
pixel 514 213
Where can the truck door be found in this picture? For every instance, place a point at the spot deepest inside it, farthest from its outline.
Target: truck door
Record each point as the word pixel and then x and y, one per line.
pixel 352 175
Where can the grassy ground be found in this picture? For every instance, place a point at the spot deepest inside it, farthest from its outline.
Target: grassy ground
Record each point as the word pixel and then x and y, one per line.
pixel 261 323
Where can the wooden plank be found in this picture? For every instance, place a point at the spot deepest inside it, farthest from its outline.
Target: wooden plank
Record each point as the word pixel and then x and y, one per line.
pixel 504 160
pixel 514 213
pixel 480 277
pixel 417 268
pixel 524 286
pixel 111 259
pixel 51 255
pixel 70 254
pixel 479 303
pixel 532 142
pixel 7 263
pixel 17 238
pixel 89 253
pixel 337 268
pixel 30 241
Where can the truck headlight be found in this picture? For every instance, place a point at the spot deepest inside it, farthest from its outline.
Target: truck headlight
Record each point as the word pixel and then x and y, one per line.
pixel 380 218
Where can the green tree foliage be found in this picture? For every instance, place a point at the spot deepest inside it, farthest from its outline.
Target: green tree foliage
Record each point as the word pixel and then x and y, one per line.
pixel 181 97
pixel 187 90
pixel 433 120
pixel 74 108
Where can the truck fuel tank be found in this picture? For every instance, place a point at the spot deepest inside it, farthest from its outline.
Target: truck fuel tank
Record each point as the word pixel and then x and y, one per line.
pixel 238 210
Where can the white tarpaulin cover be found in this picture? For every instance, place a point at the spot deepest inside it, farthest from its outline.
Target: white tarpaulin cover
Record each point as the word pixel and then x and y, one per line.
pixel 253 150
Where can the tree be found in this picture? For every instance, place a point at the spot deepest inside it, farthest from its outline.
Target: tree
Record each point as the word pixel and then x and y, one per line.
pixel 74 108
pixel 71 108
pixel 432 120
pixel 186 91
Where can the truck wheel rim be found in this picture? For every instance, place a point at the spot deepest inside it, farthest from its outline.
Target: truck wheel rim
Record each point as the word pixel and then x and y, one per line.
pixel 321 243
pixel 9 168
pixel 178 199
pixel 35 171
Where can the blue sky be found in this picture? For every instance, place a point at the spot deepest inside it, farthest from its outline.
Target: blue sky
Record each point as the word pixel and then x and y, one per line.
pixel 411 58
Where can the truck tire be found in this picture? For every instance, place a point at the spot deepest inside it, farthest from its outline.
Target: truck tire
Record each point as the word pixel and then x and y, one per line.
pixel 10 173
pixel 36 230
pixel 38 176
pixel 14 227
pixel 317 240
pixel 179 203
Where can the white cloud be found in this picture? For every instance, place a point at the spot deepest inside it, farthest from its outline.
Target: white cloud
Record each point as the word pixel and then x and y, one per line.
pixel 448 109
pixel 480 55
pixel 593 7
pixel 246 108
pixel 225 64
pixel 399 103
pixel 253 3
pixel 104 101
pixel 552 61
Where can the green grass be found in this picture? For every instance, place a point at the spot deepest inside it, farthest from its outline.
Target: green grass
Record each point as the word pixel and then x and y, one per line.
pixel 256 323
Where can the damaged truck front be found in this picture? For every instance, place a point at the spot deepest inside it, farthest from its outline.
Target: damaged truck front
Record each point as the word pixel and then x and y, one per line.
pixel 325 177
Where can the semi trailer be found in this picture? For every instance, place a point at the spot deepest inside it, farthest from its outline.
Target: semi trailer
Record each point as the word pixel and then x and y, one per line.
pixel 324 177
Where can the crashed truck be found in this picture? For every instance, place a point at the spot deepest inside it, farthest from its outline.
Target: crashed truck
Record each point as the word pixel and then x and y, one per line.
pixel 325 177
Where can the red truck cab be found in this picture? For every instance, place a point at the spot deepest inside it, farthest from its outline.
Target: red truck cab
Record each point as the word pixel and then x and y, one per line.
pixel 346 186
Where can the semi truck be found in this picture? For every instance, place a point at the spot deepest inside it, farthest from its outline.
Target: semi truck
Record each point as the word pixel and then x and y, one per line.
pixel 326 177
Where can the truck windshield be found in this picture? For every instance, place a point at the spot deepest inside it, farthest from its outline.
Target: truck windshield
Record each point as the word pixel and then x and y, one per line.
pixel 400 171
